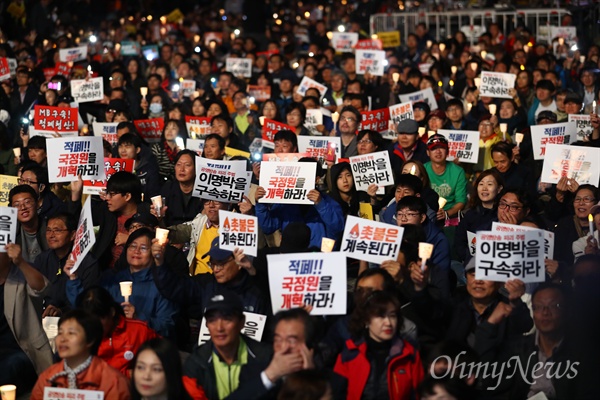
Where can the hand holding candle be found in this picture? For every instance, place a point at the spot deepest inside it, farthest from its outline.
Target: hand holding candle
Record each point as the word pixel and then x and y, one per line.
pixel 519 138
pixel 442 202
pixel 503 129
pixel 126 289
pixel 591 221
pixel 162 235
pixel 492 108
pixel 422 130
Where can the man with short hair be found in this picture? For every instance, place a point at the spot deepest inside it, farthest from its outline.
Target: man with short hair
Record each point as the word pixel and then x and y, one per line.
pixel 30 228
pixel 217 364
pixel 543 100
pixel 455 116
pixel 349 121
pixel 408 146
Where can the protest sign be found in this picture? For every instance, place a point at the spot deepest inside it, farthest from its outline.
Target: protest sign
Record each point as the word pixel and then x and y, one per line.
pixel 463 145
pixel 318 147
pixel 314 117
pixel 425 95
pixel 260 93
pixel 12 66
pixel 86 90
pixel 8 226
pixel 75 156
pixel 270 128
pixel 548 236
pixel 317 279
pixel 73 54
pixel 286 157
pixel 307 83
pixel 472 242
pixel 583 126
pixel 7 182
pixel 344 42
pixel 198 131
pixel 130 48
pixel 56 393
pixel 59 119
pixel 239 67
pixel 542 135
pixel 400 112
pixel 111 166
pixel 370 61
pixel 377 120
pixel 84 237
pixel 371 241
pixel 231 152
pixel 569 33
pixel 150 129
pixel 187 87
pixel 107 130
pixel 372 168
pixel 369 44
pixel 49 73
pixel 503 256
pixel 365 210
pixel 579 163
pixel 424 68
pixel 196 145
pixel 189 119
pixel 4 69
pixel 287 182
pixel 63 69
pixel 389 39
pixel 238 231
pixel 496 84
pixel 224 181
pixel 254 327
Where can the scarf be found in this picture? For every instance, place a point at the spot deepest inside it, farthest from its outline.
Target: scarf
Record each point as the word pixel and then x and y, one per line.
pixel 171 153
pixel 71 374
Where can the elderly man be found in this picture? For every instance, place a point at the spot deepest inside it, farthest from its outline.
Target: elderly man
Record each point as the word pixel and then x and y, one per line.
pixel 408 146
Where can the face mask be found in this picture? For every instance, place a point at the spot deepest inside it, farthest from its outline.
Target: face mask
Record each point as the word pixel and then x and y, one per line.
pixel 155 108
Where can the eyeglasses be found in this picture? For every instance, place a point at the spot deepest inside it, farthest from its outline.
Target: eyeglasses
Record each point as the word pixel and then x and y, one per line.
pixel 25 203
pixel 348 119
pixel 486 124
pixel 27 182
pixel 143 248
pixel 365 141
pixel 510 207
pixel 407 215
pixel 586 199
pixel 55 231
pixel 215 265
pixel 551 308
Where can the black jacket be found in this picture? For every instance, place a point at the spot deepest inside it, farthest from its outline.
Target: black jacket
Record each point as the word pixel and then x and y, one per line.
pixel 178 212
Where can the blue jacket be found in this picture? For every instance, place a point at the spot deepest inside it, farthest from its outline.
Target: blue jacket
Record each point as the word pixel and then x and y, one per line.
pixel 531 113
pixel 150 305
pixel 325 219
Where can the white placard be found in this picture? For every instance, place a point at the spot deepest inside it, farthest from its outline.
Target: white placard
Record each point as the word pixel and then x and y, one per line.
pixel 569 33
pixel 344 42
pixel 199 131
pixel 187 87
pixel 425 95
pixel 225 181
pixel 496 84
pixel 314 117
pixel 472 242
pixel 575 162
pixel 318 147
pixel 463 145
pixel 239 67
pixel 196 145
pixel 307 83
pixel 73 54
pixel 84 237
pixel 371 241
pixel 317 279
pixel 287 182
pixel 400 112
pixel 238 231
pixel 370 61
pixel 12 66
pixel 583 126
pixel 503 256
pixel 75 156
pixel 8 226
pixel 548 236
pixel 55 393
pixel 86 90
pixel 543 135
pixel 254 327
pixel 372 168
pixel 107 131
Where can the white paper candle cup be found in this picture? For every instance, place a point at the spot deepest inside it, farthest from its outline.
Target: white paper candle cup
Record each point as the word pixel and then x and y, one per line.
pixel 162 235
pixel 442 202
pixel 17 151
pixel 126 288
pixel 8 392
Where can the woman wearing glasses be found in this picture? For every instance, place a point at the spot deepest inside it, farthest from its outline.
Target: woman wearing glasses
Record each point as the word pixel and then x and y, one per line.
pixel 145 302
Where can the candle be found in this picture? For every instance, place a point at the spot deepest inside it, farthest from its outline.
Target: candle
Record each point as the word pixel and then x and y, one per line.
pixel 335 117
pixel 594 107
pixel 395 77
pixel 143 91
pixel 425 250
pixel 429 43
pixel 262 120
pixel 591 221
pixel 430 133
pixel 503 129
pixel 413 169
pixel 126 289
pixel 442 202
pixel 518 138
pixel 17 151
pixel 474 66
pixel 442 47
pixel 581 59
pixel 162 235
pixel 477 82
pixel 421 131
pixel 561 41
pixel 451 83
pixel 492 108
pixel 469 106
pixel 483 54
pixel 454 68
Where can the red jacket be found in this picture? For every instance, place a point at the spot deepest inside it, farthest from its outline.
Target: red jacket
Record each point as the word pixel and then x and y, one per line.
pixel 404 373
pixel 98 376
pixel 118 349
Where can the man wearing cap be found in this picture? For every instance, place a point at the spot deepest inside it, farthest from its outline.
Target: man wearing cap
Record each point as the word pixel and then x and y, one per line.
pixel 408 147
pixel 447 179
pixel 543 100
pixel 218 363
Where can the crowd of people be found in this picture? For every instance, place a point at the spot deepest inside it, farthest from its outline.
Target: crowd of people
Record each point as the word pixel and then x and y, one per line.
pixel 414 328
